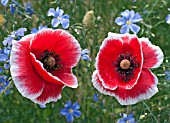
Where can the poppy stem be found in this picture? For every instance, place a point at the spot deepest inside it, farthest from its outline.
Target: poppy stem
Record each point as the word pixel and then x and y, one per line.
pixel 128 109
pixel 9 85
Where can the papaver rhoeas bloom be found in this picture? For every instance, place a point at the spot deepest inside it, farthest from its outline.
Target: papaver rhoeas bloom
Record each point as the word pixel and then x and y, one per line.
pixel 122 68
pixel 41 64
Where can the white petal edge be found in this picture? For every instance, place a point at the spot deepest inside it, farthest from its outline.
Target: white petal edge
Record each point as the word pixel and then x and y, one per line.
pixel 24 92
pixel 152 91
pixel 159 53
pixel 49 99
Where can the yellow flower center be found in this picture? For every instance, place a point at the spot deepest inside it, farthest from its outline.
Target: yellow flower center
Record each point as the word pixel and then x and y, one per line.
pixel 125 64
pixel 71 110
pixel 58 18
pixel 127 121
pixel 128 22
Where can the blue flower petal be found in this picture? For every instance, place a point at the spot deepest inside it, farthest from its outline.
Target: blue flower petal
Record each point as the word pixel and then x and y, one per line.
pixel 85 51
pixel 75 106
pixel 34 31
pixel 124 29
pixel 120 21
pixel 69 117
pixel 132 13
pixel 59 12
pixel 4 2
pixel 3 57
pixel 76 113
pixel 6 66
pixel 20 32
pixel 55 22
pixel 1 70
pixel 42 106
pixel 136 18
pixel 42 27
pixel 95 97
pixel 168 19
pixel 64 112
pixel 85 57
pixel 51 12
pixel 8 41
pixel 135 28
pixel 65 23
pixel 126 14
pixel 130 116
pixel 121 120
pixel 66 16
pixel 68 104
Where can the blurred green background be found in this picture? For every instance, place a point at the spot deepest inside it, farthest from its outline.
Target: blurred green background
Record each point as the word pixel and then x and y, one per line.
pixel 16 109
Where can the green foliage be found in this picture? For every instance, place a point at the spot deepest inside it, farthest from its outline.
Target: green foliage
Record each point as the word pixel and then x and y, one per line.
pixel 16 109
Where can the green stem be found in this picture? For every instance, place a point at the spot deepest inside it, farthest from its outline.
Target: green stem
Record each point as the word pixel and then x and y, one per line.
pixel 6 88
pixel 128 109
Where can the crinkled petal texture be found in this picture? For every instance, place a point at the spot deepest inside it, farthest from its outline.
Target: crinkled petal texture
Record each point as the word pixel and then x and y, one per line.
pixel 144 83
pixel 28 73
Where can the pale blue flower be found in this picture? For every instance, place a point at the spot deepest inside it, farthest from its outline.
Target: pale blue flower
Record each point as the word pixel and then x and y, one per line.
pixel 128 20
pixel 16 34
pixel 34 30
pixel 84 55
pixel 70 111
pixel 4 2
pixel 59 18
pixel 126 119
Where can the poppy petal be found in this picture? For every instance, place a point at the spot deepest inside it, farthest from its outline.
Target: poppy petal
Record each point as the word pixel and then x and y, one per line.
pixel 50 93
pixel 144 89
pixel 152 55
pixel 109 51
pixel 22 72
pixel 59 41
pixel 67 79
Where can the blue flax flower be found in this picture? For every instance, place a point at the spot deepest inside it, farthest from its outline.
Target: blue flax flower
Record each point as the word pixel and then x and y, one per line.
pixel 70 111
pixel 28 8
pixel 126 119
pixel 95 97
pixel 128 20
pixel 4 2
pixel 3 84
pixel 167 75
pixel 59 18
pixel 84 55
pixel 34 30
pixel 15 35
pixel 13 6
pixel 168 17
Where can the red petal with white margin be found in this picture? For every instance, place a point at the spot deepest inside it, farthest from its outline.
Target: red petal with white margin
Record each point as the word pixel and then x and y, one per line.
pixel 51 93
pixel 56 79
pixel 110 50
pixel 27 81
pixel 59 41
pixel 145 88
pixel 152 55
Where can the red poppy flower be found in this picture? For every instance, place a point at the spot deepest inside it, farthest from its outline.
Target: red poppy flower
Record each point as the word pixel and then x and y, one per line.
pixel 41 64
pixel 122 68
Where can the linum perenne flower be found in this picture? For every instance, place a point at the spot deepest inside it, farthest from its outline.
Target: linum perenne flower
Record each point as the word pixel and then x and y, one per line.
pixel 127 119
pixel 128 20
pixel 59 17
pixel 34 30
pixel 41 64
pixel 4 2
pixel 70 111
pixel 168 17
pixel 122 68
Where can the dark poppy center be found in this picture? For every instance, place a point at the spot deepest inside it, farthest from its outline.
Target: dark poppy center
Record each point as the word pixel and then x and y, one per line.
pixel 125 65
pixel 51 60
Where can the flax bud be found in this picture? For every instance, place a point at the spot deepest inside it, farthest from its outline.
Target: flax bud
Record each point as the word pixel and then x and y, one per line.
pixel 89 19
